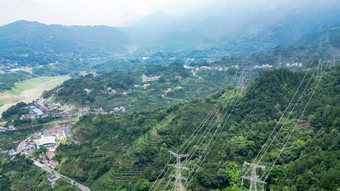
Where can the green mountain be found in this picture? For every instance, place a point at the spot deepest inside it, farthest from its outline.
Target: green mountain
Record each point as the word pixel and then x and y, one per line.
pixel 34 41
pixel 128 152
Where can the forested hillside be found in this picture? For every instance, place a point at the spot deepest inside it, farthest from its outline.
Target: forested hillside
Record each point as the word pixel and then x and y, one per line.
pixel 128 152
pixel 167 84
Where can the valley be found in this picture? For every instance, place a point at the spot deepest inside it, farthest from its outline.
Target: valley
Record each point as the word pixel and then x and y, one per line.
pixel 29 90
pixel 170 95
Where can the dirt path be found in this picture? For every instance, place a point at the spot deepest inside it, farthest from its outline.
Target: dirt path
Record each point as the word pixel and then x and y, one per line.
pixel 29 94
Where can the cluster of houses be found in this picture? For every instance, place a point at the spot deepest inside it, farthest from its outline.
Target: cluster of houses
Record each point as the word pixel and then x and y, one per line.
pixel 87 110
pixel 39 110
pixel 217 68
pixel 84 73
pixel 111 91
pixel 36 113
pixel 146 78
pixel 13 68
pixel 121 109
pixel 220 68
pixel 9 128
pixel 294 64
pixel 142 86
pixel 262 66
pixel 50 138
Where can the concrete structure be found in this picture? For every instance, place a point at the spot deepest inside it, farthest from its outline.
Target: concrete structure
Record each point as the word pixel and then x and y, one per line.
pixel 48 141
pixel 50 154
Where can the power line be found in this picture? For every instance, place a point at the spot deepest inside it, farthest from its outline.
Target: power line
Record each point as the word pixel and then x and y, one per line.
pixel 277 124
pixel 209 149
pixel 219 130
pixel 193 135
pixel 302 113
pixel 284 123
pixel 279 63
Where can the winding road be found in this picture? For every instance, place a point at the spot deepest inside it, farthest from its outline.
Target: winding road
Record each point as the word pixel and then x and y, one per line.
pixel 49 170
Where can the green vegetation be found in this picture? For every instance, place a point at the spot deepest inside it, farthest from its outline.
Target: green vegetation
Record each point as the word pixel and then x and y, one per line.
pixel 16 110
pixel 182 83
pixel 116 152
pixel 24 85
pixel 21 174
pixel 63 185
pixel 8 80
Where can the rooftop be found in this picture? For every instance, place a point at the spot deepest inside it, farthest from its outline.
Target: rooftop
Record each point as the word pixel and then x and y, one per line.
pixel 46 140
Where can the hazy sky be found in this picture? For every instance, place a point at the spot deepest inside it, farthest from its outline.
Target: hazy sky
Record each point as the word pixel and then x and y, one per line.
pixel 89 12
pixel 113 12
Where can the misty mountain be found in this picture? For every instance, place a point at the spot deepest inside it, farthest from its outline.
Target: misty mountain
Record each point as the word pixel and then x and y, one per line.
pixel 25 37
pixel 229 31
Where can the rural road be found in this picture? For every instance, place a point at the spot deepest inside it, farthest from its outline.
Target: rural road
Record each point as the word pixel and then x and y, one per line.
pixel 48 169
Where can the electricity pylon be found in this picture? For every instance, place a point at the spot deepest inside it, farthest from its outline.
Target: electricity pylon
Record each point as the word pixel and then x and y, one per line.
pixel 333 61
pixel 241 80
pixel 179 168
pixel 253 178
pixel 279 61
pixel 319 70
pixel 320 44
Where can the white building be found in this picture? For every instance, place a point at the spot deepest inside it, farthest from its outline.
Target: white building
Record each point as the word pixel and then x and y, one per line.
pixel 48 141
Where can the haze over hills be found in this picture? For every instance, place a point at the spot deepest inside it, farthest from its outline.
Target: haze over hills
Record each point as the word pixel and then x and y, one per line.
pixel 227 31
pixel 232 85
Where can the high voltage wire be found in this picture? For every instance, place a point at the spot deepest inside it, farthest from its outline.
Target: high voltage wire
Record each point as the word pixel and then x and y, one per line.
pixel 208 129
pixel 193 134
pixel 282 125
pixel 301 95
pixel 202 124
pixel 319 68
pixel 254 161
pixel 219 130
pixel 302 113
pixel 200 138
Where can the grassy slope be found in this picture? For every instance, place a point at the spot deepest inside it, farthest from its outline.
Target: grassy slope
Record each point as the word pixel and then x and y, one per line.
pixel 22 86
pixel 29 90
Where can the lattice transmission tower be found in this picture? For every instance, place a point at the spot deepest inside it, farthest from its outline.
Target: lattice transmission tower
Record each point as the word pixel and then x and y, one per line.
pixel 179 169
pixel 253 178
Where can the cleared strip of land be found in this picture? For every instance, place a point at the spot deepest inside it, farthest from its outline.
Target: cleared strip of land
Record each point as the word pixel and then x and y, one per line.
pixel 29 90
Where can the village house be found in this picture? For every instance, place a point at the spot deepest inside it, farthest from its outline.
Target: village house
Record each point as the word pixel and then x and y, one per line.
pixel 51 179
pixel 152 78
pixel 50 154
pixel 168 90
pixel 53 163
pixel 29 116
pixel 84 110
pixel 99 110
pixel 146 85
pixel 87 90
